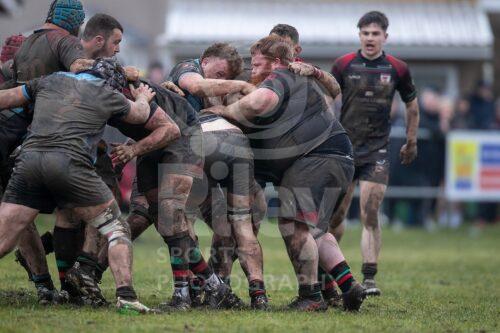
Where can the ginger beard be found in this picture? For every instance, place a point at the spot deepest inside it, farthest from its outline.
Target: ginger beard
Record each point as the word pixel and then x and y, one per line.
pixel 261 68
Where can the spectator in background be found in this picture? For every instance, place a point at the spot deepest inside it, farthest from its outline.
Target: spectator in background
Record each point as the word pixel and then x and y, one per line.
pixel 496 122
pixel 482 109
pixel 482 106
pixel 156 73
pixel 462 116
pixel 432 120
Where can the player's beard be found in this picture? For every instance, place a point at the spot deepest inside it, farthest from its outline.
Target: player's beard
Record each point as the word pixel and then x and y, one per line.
pixel 259 78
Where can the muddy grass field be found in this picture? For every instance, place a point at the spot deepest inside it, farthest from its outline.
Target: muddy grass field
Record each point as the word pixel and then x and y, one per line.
pixel 446 281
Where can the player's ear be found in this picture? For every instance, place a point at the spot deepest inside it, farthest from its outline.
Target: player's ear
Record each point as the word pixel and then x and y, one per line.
pixel 298 50
pixel 100 41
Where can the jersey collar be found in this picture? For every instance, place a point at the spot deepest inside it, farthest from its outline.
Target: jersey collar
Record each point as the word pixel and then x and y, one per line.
pixel 382 56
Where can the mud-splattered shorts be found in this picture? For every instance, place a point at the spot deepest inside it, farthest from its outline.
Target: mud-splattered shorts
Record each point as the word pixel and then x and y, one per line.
pixel 313 187
pixel 45 180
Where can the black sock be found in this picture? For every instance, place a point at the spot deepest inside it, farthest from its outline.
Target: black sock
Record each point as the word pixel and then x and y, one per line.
pixel 343 276
pixel 43 280
pixel 88 263
pixel 127 293
pixel 256 288
pixel 179 253
pixel 66 246
pixel 48 242
pixel 226 280
pixel 369 270
pixel 99 271
pixel 310 291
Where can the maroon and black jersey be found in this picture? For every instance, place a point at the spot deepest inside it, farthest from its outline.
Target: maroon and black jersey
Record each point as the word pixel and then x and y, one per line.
pixel 368 88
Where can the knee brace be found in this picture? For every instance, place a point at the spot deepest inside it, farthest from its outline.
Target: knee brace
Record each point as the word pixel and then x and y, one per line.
pixel 235 215
pixel 109 225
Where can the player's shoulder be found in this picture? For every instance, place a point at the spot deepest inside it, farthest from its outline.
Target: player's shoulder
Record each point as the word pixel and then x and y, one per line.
pixel 183 67
pixel 400 66
pixel 343 61
pixel 57 34
pixel 188 64
pixel 281 75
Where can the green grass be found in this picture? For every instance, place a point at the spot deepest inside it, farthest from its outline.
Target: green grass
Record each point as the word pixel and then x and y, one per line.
pixel 443 281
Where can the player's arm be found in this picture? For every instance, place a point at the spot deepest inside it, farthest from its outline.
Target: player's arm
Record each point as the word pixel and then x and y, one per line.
pixel 139 109
pixel 408 94
pixel 409 150
pixel 80 65
pixel 327 80
pixel 258 103
pixel 12 98
pixel 201 87
pixel 163 131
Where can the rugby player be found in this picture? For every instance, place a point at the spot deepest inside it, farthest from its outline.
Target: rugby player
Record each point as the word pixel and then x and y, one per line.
pixel 165 177
pixel 369 79
pixel 55 167
pixel 291 35
pixel 299 146
pixel 13 128
pixel 54 47
pixel 10 136
pixel 76 247
pixel 101 38
pixel 298 66
pixel 229 162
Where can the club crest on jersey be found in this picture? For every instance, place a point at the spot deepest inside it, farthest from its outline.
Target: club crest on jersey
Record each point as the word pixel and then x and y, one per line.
pixel 385 78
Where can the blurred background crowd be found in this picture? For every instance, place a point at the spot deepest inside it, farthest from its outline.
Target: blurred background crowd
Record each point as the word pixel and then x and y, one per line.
pixel 452 48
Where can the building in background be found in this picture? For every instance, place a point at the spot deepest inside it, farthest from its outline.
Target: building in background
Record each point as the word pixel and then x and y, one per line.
pixel 449 44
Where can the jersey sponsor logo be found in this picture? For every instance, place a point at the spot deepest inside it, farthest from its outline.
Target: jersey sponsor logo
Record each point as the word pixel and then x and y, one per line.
pixel 385 78
pixel 354 77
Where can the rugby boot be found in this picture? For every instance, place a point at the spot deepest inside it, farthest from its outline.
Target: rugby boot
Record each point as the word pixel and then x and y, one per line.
pixel 84 283
pixel 218 297
pixel 131 307
pixel 354 297
pixel 260 302
pixel 307 305
pixel 48 296
pixel 332 298
pixel 371 287
pixel 21 261
pixel 180 302
pixel 233 302
pixel 196 295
